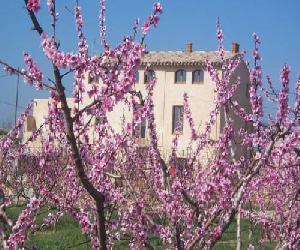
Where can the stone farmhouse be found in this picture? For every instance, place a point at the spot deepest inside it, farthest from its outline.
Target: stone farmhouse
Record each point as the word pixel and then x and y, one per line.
pixel 177 72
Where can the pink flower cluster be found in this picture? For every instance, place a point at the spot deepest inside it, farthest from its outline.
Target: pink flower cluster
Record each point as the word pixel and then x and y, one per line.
pixel 102 19
pixel 60 59
pixel 10 70
pixel 220 40
pixel 52 218
pixel 82 45
pixel 51 7
pixel 24 222
pixel 7 142
pixel 189 117
pixel 297 102
pixel 256 84
pixel 255 53
pixel 188 201
pixel 152 19
pixel 34 74
pixel 33 5
pixel 283 96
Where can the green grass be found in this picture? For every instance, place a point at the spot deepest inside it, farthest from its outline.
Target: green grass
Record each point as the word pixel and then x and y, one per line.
pixel 228 240
pixel 67 235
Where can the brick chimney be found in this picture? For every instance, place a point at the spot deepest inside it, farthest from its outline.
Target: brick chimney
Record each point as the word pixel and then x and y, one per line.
pixel 235 48
pixel 189 47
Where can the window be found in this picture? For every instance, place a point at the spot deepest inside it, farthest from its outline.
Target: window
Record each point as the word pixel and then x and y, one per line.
pixel 180 76
pixel 137 77
pixel 177 119
pixel 148 76
pixel 93 79
pixel 31 125
pixel 198 76
pixel 142 129
pixel 140 133
pixel 100 120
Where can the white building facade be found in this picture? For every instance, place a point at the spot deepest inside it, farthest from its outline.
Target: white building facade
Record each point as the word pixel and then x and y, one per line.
pixel 177 72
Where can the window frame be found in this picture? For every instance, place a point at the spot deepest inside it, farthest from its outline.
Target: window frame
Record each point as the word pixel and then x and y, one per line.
pixel 151 73
pixel 31 124
pixel 193 76
pixel 177 81
pixel 174 126
pixel 143 129
pixel 137 77
pixel 99 120
pixel 93 79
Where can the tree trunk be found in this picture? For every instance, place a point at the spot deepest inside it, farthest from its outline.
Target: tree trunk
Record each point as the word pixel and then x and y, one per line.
pixel 238 229
pixel 179 243
pixel 101 230
pixel 250 226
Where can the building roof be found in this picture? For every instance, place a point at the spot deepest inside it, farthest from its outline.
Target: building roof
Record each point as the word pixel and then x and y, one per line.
pixel 183 58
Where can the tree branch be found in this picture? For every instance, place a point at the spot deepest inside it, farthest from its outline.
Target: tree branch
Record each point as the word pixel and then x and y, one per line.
pixel 99 197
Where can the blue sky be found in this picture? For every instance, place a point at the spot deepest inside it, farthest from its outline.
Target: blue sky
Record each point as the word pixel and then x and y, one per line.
pixel 276 22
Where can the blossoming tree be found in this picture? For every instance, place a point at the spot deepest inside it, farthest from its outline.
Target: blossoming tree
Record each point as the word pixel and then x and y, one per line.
pixel 116 190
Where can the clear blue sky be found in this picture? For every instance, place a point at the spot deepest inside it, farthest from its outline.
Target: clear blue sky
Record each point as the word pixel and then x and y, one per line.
pixel 276 22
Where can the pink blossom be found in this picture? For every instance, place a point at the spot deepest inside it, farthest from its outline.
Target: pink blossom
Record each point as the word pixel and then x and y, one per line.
pixel 155 20
pixel 145 28
pixel 220 40
pixel 23 223
pixel 33 5
pixel 157 7
pixel 256 38
pixel 50 4
pixel 34 74
pixel 251 247
pixel 9 70
pixel 195 197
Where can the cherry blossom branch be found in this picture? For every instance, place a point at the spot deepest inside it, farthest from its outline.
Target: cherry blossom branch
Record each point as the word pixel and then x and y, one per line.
pixel 98 196
pixel 12 70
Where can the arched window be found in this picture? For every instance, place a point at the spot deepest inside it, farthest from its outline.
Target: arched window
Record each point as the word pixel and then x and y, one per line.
pixel 180 76
pixel 198 76
pixel 137 76
pixel 148 76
